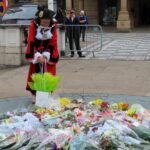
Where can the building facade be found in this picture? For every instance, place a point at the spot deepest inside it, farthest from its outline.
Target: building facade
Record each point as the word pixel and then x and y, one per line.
pixel 124 14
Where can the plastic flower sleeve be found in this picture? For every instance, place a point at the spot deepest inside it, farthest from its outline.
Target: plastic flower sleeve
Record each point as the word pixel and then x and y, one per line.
pixel 138 108
pixel 51 82
pixel 21 141
pixel 44 82
pixel 59 136
pixel 6 133
pixel 82 142
pixel 142 132
pixel 47 143
pixel 35 141
pixel 37 81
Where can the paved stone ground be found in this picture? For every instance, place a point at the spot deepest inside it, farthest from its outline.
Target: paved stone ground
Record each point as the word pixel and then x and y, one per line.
pixel 126 46
pixel 118 46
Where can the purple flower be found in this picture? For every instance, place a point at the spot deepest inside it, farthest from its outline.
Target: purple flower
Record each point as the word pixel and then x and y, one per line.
pixel 53 146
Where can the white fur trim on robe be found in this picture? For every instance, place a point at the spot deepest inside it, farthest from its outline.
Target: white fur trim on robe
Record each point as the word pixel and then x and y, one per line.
pixel 39 35
pixel 43 34
pixel 47 55
pixel 36 55
pixel 47 35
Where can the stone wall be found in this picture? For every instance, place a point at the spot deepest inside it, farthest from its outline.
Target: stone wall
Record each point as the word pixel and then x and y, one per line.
pixel 12 48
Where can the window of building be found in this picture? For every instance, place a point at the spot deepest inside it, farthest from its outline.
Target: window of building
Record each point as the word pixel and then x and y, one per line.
pixel 110 12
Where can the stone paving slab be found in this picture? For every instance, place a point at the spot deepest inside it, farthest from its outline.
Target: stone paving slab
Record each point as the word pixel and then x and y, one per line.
pixel 86 76
pixel 11 104
pixel 122 46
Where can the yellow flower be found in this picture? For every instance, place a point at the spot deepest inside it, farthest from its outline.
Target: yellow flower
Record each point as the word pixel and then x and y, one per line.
pixel 7 121
pixel 76 130
pixel 98 102
pixel 41 111
pixel 64 102
pixel 120 105
pixel 54 114
pixel 49 111
pixel 123 106
pixel 131 112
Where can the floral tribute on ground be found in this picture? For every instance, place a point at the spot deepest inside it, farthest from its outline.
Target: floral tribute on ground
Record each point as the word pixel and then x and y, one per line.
pixel 77 124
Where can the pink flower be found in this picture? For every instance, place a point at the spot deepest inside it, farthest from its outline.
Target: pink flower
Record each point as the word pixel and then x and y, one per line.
pixel 104 106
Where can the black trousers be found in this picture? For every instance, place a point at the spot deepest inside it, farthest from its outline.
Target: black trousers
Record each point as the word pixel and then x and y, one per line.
pixel 74 37
pixel 82 32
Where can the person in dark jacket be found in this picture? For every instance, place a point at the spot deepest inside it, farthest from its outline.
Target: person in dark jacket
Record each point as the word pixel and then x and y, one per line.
pixel 73 33
pixel 83 19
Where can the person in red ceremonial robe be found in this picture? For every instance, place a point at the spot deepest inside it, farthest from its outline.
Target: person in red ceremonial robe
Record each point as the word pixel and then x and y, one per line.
pixel 42 49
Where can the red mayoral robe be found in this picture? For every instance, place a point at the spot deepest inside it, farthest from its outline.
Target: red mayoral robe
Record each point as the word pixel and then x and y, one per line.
pixel 40 46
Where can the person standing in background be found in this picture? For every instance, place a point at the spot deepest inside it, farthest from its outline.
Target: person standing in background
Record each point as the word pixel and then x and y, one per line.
pixel 83 19
pixel 73 32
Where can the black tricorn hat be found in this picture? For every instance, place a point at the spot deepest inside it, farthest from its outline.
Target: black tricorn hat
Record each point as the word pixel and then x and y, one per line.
pixel 44 13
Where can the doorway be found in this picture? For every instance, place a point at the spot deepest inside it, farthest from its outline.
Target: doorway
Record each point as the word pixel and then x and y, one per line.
pixel 108 12
pixel 144 12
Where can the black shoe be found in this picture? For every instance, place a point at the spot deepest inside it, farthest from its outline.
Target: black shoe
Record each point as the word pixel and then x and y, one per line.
pixel 33 103
pixel 82 56
pixel 72 55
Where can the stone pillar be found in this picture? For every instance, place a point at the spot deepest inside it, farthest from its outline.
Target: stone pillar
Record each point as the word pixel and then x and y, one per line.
pixel 12 50
pixel 76 7
pixel 68 5
pixel 51 4
pixel 61 40
pixel 10 47
pixel 13 46
pixel 91 9
pixel 123 22
pixel 81 4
